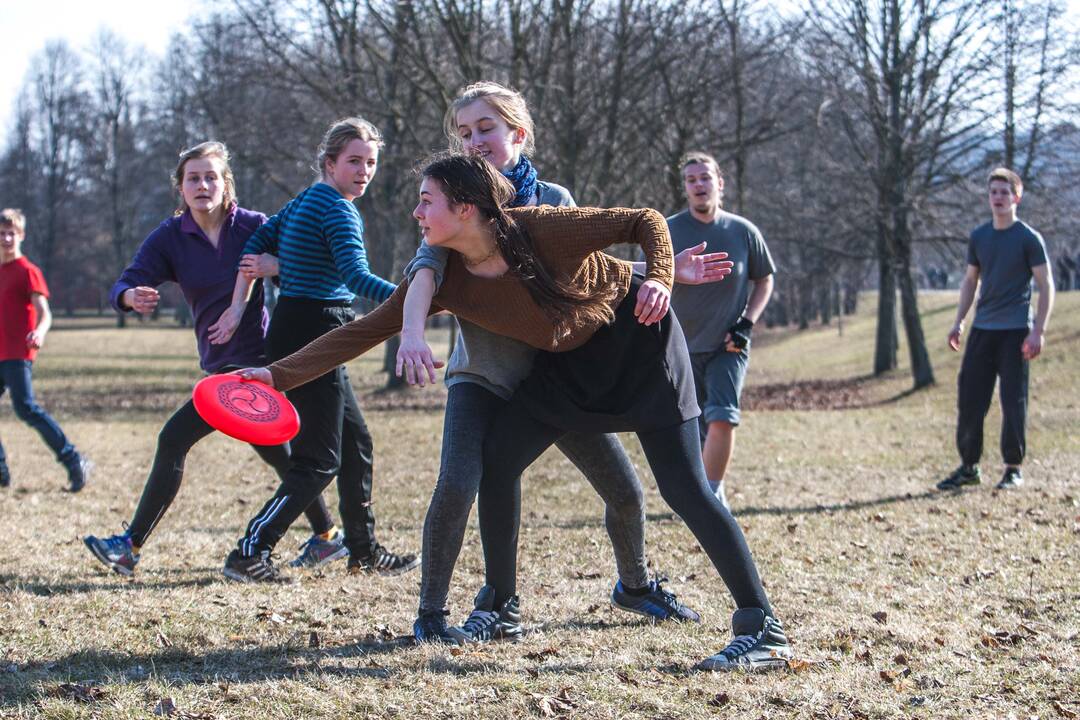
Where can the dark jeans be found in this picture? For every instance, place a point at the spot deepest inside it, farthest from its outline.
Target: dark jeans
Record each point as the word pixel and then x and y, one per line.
pixel 470 410
pixel 15 375
pixel 333 438
pixel 516 439
pixel 180 433
pixel 992 355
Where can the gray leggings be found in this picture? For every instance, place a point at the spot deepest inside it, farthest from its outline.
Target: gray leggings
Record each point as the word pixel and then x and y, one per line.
pixel 470 409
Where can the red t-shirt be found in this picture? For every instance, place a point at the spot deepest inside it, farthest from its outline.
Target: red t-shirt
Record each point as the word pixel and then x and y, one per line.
pixel 18 279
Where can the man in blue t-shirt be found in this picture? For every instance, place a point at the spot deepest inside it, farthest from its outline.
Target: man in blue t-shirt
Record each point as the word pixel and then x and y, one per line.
pixel 717 317
pixel 1003 257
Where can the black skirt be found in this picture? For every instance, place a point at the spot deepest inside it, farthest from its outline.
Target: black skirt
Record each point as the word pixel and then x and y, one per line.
pixel 627 378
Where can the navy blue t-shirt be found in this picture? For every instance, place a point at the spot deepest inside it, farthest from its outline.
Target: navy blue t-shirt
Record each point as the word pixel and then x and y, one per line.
pixel 1005 259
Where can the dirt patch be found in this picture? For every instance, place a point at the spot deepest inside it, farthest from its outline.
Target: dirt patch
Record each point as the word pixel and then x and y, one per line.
pixel 808 395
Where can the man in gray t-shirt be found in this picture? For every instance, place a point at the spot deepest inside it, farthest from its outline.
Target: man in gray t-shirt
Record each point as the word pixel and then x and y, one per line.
pixel 717 318
pixel 1004 255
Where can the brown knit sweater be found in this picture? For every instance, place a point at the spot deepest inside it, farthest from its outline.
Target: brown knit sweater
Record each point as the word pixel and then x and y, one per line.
pixel 567 240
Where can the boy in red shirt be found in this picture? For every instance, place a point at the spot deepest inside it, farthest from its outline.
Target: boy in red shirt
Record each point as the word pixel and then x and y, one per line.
pixel 24 321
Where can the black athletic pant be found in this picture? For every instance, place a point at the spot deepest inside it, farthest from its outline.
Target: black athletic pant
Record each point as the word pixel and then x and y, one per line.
pixel 333 438
pixel 179 434
pixel 516 439
pixel 992 355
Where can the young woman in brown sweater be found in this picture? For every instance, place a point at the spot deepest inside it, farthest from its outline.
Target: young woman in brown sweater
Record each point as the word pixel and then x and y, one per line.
pixel 612 360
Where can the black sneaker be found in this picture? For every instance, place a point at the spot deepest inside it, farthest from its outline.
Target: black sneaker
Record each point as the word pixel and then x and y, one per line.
pixel 78 472
pixel 485 623
pixel 383 562
pixel 430 627
pixel 658 604
pixel 257 568
pixel 961 476
pixel 5 475
pixel 759 644
pixel 1011 480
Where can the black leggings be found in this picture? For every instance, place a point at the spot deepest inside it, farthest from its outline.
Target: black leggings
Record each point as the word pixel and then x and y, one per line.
pixel 177 437
pixel 333 438
pixel 516 439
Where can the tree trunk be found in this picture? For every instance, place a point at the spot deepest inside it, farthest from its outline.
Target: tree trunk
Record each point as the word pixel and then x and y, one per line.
pixel 922 371
pixel 885 344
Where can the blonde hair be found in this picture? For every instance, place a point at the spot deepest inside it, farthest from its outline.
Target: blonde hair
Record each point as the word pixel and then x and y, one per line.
pixel 209 149
pixel 13 216
pixel 507 102
pixel 341 133
pixel 1004 174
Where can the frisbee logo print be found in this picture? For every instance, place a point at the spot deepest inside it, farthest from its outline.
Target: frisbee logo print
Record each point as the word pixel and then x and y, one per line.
pixel 249 402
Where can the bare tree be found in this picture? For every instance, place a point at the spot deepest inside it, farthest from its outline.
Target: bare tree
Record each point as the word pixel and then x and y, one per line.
pixel 907 75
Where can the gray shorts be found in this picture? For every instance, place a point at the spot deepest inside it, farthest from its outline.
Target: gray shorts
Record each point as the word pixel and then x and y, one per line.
pixel 718 379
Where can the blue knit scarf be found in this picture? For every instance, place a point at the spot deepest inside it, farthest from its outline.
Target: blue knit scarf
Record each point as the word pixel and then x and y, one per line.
pixel 523 176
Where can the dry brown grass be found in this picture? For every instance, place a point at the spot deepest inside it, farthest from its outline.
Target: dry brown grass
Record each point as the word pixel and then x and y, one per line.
pixel 905 603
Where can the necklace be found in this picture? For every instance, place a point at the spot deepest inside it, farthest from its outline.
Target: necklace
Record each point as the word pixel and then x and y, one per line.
pixel 474 263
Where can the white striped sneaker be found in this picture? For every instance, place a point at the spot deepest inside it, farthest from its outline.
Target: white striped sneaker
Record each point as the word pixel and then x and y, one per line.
pixel 383 562
pixel 256 568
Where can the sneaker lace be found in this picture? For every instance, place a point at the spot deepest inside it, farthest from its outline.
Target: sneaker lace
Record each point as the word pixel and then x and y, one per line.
pixel 669 597
pixel 739 646
pixel 480 620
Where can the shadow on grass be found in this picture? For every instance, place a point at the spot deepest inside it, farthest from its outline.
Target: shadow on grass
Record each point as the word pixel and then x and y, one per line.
pixel 836 507
pixel 45 588
pixel 177 666
pixel 848 506
pixel 25 684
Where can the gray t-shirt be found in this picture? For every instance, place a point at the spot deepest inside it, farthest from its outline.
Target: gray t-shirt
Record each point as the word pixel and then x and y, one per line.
pixel 495 362
pixel 706 312
pixel 1005 258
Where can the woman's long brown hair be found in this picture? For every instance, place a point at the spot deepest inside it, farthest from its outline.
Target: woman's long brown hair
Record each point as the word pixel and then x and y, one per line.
pixel 472 180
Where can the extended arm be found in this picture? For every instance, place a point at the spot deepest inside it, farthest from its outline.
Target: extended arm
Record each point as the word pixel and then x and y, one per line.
pixel 414 356
pixel 341 344
pixel 1033 343
pixel 694 266
pixel 222 331
pixel 967 296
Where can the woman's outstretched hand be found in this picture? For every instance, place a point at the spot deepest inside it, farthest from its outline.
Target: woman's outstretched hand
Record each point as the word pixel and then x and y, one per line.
pixel 260 373
pixel 653 301
pixel 415 359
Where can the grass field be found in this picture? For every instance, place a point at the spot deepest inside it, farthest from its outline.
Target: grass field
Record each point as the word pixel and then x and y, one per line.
pixel 902 602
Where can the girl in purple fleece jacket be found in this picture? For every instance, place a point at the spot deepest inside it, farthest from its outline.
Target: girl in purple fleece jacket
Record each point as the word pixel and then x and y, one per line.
pixel 199 248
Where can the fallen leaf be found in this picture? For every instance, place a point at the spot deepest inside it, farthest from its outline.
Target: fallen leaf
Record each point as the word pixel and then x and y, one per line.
pixel 720 700
pixel 901 659
pixel 626 679
pixel 541 654
pixel 79 693
pixel 796 665
pixel 313 640
pixel 164 640
pixel 881 616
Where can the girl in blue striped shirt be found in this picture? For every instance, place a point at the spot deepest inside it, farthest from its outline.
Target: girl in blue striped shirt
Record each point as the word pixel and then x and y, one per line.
pixel 318 239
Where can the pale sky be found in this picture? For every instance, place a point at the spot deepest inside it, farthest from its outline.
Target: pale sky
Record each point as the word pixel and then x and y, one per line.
pixel 26 25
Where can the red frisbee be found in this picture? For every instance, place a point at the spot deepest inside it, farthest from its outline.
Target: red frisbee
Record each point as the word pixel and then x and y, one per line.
pixel 247 410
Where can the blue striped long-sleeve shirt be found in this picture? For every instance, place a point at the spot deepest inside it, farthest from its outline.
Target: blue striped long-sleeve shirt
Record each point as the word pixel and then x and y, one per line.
pixel 318 238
